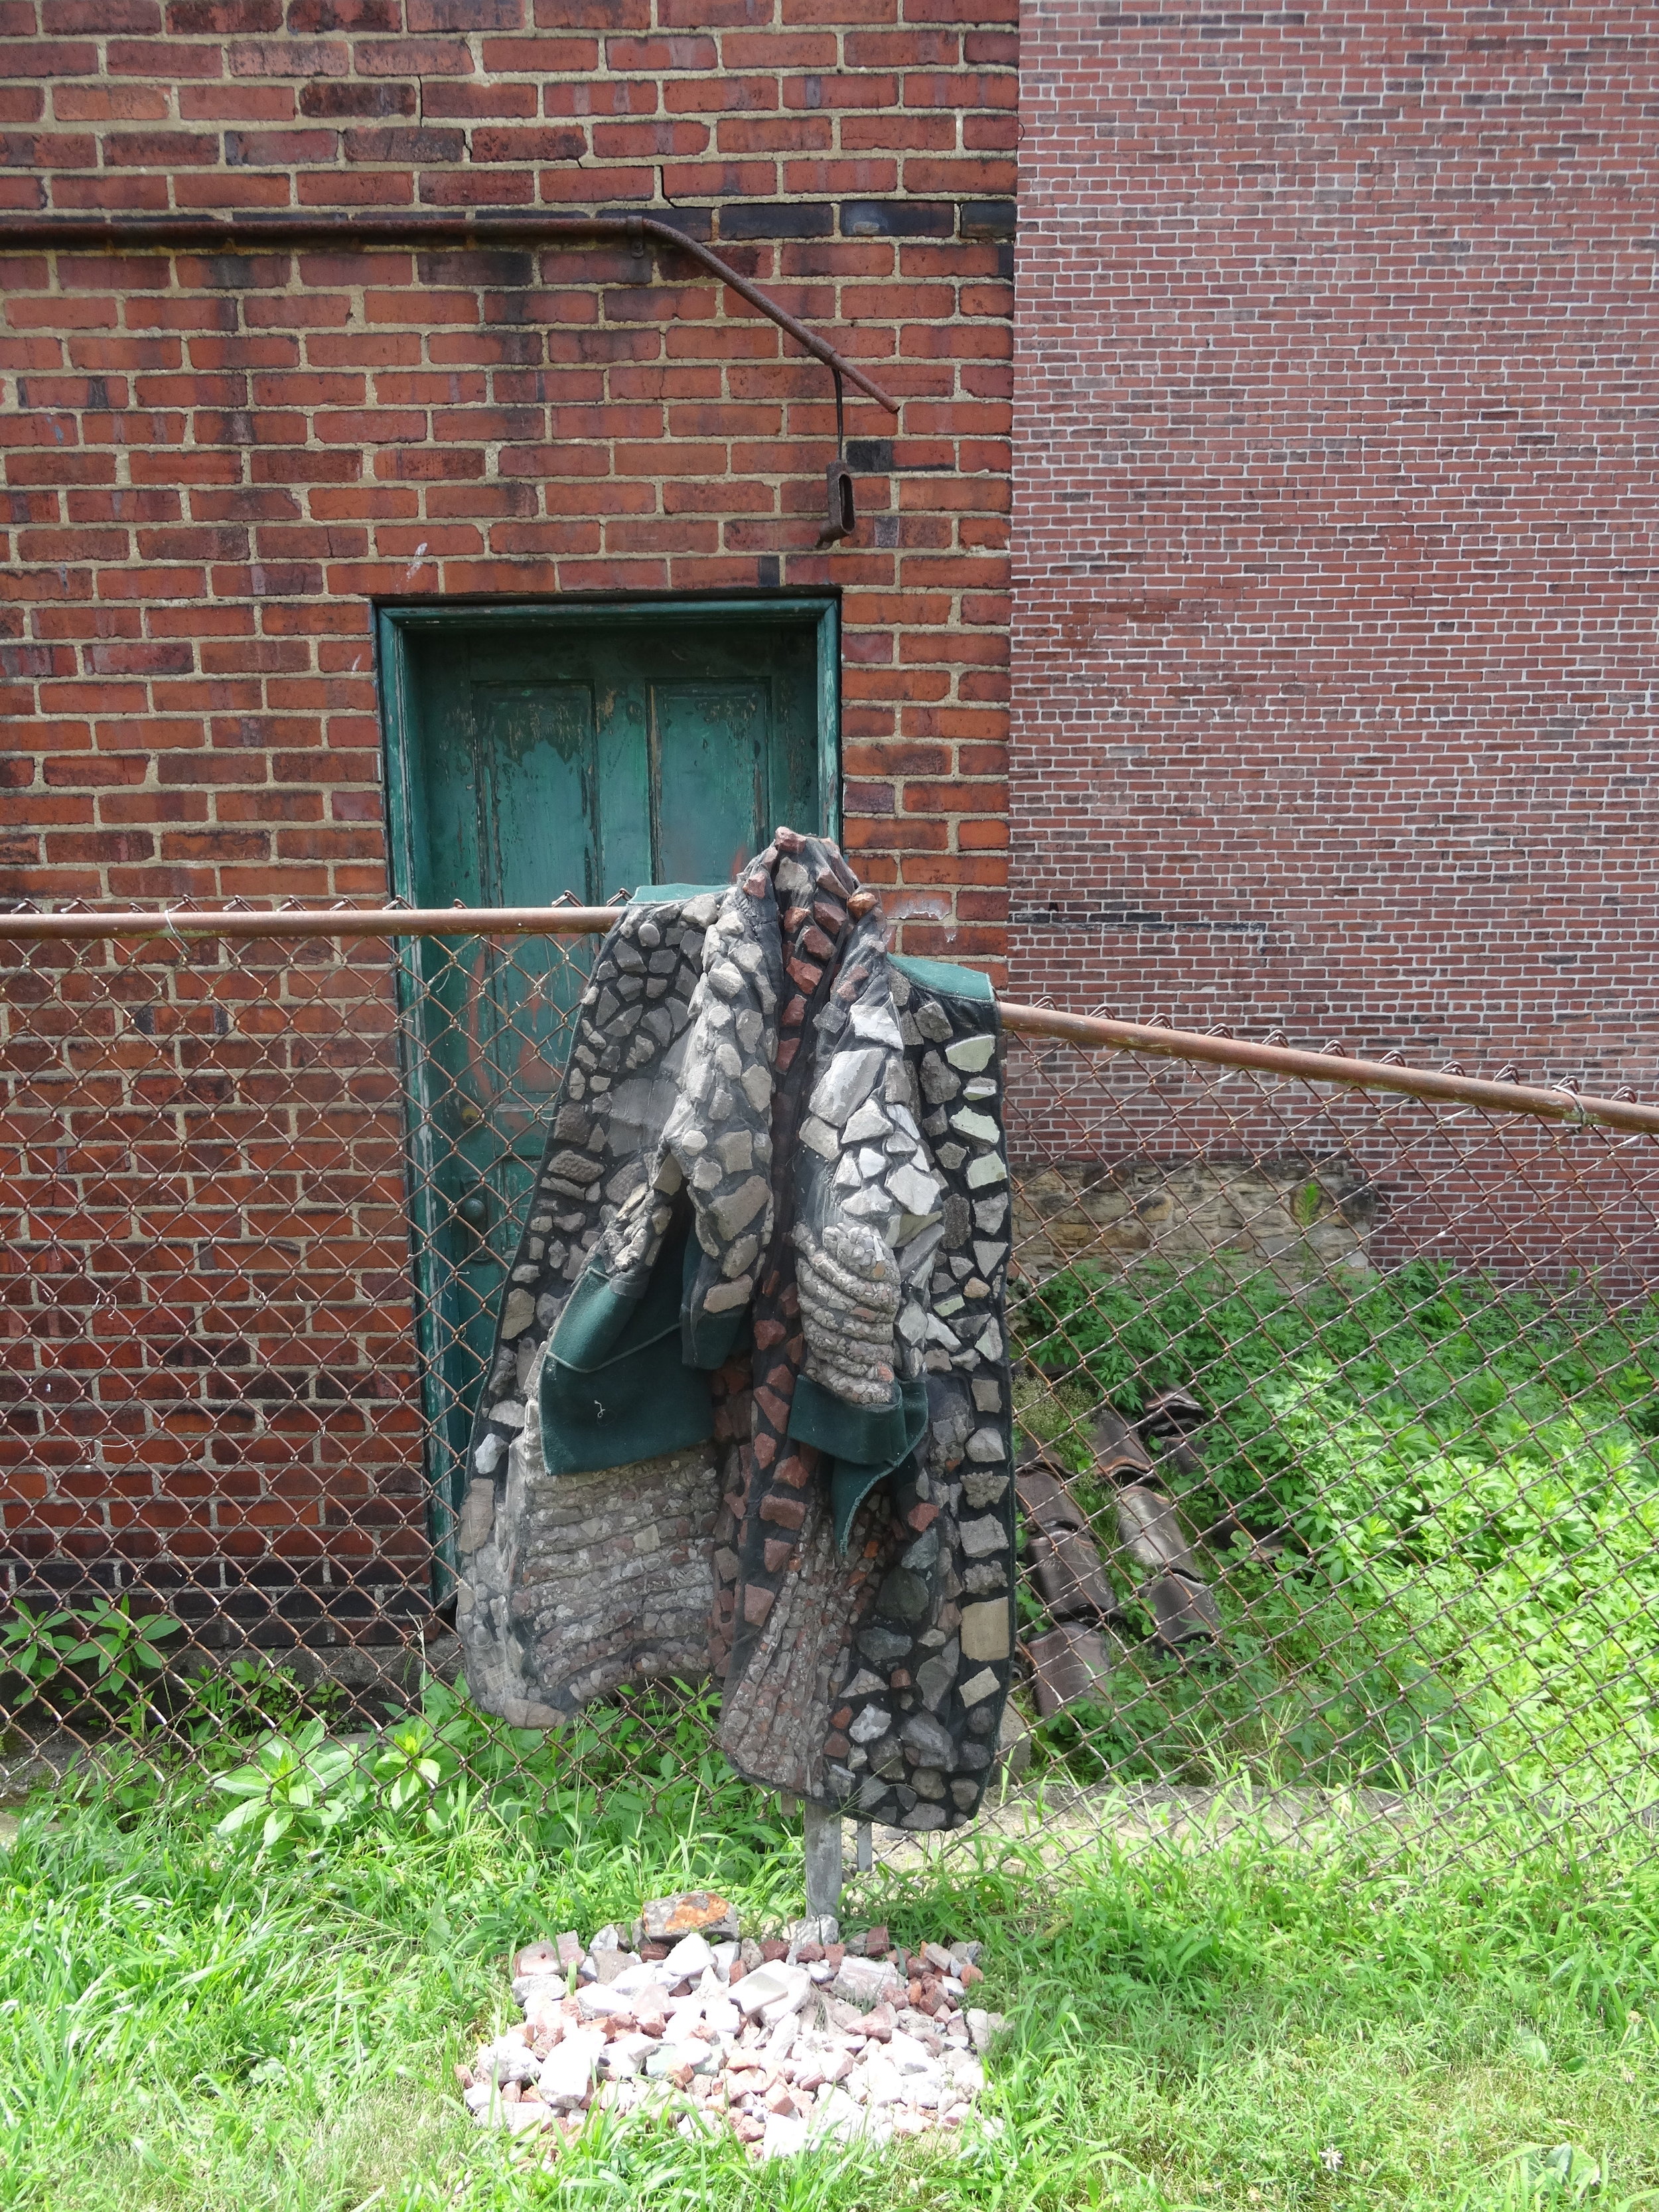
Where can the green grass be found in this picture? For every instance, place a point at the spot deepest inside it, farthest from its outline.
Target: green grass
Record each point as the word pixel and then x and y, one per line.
pixel 1469 1480
pixel 246 1990
pixel 187 2022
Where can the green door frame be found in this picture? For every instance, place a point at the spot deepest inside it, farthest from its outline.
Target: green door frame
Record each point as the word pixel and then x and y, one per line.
pixel 396 624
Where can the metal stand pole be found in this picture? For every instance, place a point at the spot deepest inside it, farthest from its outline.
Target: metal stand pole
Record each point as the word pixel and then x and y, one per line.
pixel 823 1839
pixel 867 1851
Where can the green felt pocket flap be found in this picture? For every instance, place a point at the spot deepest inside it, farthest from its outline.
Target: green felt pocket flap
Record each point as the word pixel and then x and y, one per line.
pixel 614 1386
pixel 863 1445
pixel 600 1323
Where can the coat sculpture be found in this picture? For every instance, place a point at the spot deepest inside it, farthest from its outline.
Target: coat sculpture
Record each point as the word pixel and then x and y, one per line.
pixel 748 1409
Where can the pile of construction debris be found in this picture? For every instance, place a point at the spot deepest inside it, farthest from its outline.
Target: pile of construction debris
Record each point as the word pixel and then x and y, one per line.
pixel 1072 1660
pixel 800 2037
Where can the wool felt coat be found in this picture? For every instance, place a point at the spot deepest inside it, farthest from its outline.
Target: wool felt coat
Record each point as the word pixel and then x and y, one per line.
pixel 748 1410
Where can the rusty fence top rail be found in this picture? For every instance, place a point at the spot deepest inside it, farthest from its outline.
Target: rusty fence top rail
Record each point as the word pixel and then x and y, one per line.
pixel 188 921
pixel 1098 1032
pixel 1091 1032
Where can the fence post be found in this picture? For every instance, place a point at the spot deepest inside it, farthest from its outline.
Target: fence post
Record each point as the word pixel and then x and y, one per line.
pixel 821 1831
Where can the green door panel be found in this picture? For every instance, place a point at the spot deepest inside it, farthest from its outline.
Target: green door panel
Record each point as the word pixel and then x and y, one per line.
pixel 708 770
pixel 532 752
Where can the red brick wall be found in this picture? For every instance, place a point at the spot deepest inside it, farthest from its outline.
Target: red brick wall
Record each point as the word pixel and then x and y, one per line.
pixel 211 466
pixel 1335 528
pixel 214 463
pixel 208 1378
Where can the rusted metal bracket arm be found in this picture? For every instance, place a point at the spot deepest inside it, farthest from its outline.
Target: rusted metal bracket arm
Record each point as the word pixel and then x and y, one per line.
pixel 114 233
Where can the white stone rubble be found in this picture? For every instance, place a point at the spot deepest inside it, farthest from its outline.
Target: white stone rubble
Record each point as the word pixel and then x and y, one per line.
pixel 820 2040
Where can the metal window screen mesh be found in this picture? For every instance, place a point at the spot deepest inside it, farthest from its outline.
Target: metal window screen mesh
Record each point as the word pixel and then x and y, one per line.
pixel 1340 1408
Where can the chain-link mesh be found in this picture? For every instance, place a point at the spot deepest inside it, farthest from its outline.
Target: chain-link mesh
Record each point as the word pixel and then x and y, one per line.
pixel 1353 1398
pixel 1337 1409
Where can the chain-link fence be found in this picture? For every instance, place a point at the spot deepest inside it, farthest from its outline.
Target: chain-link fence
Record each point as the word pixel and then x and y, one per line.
pixel 1339 1407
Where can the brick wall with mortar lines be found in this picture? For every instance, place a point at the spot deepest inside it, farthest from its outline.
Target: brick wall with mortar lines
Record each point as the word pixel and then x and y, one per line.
pixel 1334 561
pixel 213 464
pixel 208 1382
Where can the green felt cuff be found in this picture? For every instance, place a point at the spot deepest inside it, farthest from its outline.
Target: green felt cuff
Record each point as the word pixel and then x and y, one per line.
pixel 862 1445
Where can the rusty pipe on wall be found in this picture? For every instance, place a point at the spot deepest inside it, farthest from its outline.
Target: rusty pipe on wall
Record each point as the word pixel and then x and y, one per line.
pixel 265 229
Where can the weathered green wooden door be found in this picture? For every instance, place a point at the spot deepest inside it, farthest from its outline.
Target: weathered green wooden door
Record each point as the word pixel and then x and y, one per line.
pixel 578 749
